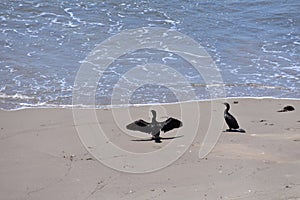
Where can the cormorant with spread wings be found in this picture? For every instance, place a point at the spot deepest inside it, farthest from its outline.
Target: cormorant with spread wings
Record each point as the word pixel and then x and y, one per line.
pixel 154 128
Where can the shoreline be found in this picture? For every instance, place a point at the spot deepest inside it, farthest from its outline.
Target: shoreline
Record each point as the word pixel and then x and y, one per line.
pixel 42 156
pixel 70 106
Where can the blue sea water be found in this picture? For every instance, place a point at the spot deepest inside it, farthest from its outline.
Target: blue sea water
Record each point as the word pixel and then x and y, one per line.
pixel 254 43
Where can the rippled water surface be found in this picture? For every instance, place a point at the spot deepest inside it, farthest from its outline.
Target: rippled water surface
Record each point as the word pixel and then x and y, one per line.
pixel 255 45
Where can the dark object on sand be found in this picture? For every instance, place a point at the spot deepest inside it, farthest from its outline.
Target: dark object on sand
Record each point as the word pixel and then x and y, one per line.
pixel 155 127
pixel 161 138
pixel 286 109
pixel 231 121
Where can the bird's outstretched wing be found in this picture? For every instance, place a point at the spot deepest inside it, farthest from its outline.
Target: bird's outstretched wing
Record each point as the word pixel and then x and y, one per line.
pixel 170 124
pixel 139 125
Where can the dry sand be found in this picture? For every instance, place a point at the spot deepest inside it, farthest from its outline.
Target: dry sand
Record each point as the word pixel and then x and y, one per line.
pixel 42 156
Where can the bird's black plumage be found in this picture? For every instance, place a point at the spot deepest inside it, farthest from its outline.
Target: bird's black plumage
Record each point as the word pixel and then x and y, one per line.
pixel 230 120
pixel 170 124
pixel 154 127
pixel 137 125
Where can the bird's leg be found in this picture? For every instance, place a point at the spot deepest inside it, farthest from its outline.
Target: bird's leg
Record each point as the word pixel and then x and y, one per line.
pixel 157 140
pixel 156 137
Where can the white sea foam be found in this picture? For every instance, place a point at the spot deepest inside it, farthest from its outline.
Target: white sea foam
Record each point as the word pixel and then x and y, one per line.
pixel 70 106
pixel 15 96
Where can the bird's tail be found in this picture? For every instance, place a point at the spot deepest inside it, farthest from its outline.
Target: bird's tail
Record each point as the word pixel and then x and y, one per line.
pixel 241 130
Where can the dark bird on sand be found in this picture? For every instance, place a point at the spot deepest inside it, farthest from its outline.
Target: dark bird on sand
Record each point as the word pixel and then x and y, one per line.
pixel 154 127
pixel 286 109
pixel 231 121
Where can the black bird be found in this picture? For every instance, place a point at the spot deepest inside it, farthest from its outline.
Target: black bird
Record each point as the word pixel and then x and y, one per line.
pixel 231 121
pixel 154 127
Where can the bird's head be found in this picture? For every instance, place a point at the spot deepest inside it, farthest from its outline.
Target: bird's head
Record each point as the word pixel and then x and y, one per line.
pixel 153 112
pixel 227 105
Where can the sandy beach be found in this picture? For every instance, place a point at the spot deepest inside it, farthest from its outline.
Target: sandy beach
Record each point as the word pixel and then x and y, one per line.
pixel 42 156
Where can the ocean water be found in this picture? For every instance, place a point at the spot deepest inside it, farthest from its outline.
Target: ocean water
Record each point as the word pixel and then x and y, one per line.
pixel 255 45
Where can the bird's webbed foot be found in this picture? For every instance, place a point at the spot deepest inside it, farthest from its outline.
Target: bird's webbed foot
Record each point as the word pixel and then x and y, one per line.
pixel 156 138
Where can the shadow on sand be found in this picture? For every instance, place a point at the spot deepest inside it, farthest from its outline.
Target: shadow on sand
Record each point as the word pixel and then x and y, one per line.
pixel 157 140
pixel 235 130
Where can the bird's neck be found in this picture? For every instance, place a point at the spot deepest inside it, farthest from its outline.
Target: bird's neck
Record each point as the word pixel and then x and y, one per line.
pixel 226 110
pixel 154 119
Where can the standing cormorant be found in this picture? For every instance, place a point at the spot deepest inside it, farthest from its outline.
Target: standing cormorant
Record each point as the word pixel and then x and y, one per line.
pixel 231 121
pixel 154 127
